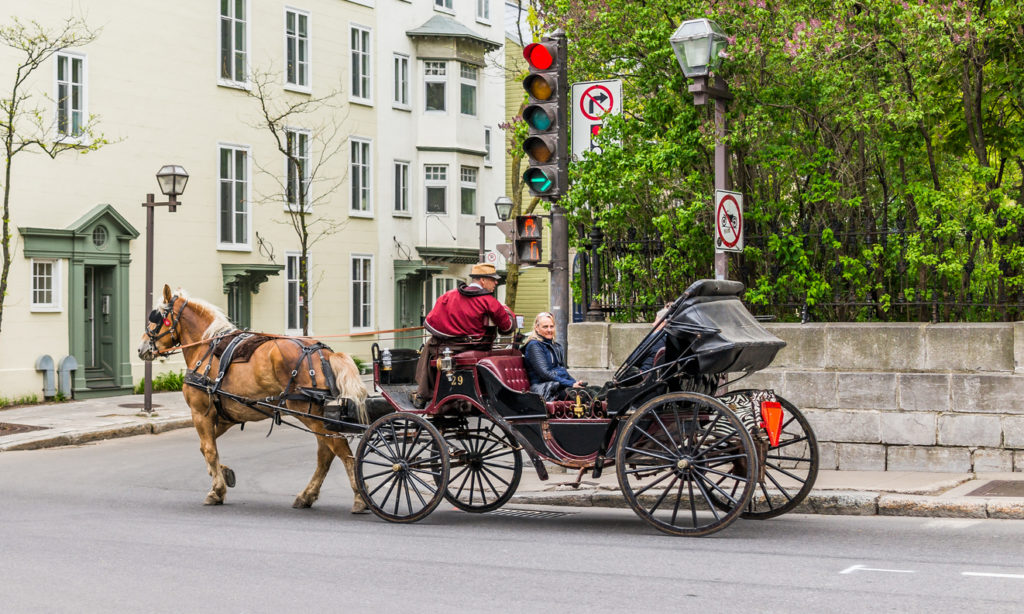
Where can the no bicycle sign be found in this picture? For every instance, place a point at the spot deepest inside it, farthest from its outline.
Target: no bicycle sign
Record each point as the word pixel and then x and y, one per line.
pixel 728 221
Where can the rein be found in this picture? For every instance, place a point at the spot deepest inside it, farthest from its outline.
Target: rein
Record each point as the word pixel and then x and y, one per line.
pixel 179 347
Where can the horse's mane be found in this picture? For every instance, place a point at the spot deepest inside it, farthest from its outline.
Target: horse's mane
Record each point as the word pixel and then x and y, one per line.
pixel 219 324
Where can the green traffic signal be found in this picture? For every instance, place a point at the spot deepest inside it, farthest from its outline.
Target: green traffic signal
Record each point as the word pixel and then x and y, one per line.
pixel 538 118
pixel 538 180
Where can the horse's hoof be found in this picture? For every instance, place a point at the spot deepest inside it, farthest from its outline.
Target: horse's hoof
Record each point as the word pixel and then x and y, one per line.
pixel 213 500
pixel 229 476
pixel 360 508
pixel 301 503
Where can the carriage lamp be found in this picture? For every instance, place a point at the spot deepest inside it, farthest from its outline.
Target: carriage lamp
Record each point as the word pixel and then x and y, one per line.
pixel 172 179
pixel 699 45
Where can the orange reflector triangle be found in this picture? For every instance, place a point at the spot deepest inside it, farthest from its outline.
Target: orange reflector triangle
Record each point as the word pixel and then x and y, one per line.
pixel 771 416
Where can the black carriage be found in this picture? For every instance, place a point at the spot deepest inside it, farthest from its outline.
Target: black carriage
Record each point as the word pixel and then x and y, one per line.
pixel 690 454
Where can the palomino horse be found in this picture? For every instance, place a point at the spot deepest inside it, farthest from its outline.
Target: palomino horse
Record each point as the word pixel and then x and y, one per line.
pixel 277 367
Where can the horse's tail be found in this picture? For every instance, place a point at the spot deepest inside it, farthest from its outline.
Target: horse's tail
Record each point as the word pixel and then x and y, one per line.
pixel 350 386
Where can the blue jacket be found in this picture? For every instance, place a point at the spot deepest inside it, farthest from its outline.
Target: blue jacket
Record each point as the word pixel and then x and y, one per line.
pixel 545 362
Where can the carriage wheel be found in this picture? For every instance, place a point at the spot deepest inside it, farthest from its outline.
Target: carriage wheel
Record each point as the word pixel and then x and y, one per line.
pixel 485 469
pixel 401 467
pixel 790 468
pixel 674 452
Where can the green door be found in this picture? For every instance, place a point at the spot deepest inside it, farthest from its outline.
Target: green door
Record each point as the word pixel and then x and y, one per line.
pixel 100 333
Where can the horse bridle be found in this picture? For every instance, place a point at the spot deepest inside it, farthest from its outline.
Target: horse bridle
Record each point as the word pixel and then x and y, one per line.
pixel 158 319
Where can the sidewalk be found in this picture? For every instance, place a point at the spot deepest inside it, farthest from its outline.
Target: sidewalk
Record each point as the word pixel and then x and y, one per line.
pixel 862 493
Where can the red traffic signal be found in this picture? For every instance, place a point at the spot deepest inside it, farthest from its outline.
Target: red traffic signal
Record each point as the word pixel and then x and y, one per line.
pixel 529 246
pixel 541 56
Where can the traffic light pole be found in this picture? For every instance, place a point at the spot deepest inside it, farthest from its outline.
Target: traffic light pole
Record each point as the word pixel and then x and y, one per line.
pixel 560 273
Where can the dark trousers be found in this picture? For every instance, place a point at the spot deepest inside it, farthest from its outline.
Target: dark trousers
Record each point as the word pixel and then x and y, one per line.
pixel 426 366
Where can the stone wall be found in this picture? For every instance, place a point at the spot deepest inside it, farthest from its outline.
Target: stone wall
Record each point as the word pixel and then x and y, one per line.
pixel 900 397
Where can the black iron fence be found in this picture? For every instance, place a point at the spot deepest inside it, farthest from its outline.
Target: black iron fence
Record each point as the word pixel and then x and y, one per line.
pixel 842 276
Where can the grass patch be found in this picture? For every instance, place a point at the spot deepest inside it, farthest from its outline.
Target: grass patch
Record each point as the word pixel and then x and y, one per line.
pixel 28 399
pixel 165 382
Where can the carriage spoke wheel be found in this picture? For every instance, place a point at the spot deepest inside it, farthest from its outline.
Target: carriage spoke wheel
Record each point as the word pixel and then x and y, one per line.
pixel 679 457
pixel 789 468
pixel 486 467
pixel 401 467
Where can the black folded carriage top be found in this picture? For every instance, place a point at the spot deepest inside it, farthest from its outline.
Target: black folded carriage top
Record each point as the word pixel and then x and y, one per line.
pixel 711 325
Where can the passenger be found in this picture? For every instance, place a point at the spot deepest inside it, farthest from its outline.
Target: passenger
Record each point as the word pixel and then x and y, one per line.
pixel 545 361
pixel 460 319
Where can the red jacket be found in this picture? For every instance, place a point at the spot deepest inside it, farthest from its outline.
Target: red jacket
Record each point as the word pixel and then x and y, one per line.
pixel 467 311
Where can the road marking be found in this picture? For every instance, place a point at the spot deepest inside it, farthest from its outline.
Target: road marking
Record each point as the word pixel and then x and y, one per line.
pixel 854 568
pixel 980 574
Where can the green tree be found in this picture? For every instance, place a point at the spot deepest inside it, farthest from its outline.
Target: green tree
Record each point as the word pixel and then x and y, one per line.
pixel 25 121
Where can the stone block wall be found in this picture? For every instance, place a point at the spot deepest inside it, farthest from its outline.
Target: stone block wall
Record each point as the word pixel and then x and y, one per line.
pixel 880 396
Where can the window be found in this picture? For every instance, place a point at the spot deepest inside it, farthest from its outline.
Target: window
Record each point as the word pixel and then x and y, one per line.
pixel 435 177
pixel 487 146
pixel 483 10
pixel 296 307
pixel 297 147
pixel 401 85
pixel 401 187
pixel 467 177
pixel 443 4
pixel 359 171
pixel 468 72
pixel 70 94
pixel 362 291
pixel 233 36
pixel 360 63
pixel 296 45
pixel 234 196
pixel 434 74
pixel 440 286
pixel 45 285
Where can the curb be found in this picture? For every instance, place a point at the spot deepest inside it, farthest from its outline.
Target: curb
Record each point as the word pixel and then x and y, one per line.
pixel 847 503
pixel 71 439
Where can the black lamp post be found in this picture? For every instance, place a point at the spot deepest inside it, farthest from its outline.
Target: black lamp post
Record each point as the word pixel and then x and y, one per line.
pixel 503 206
pixel 172 179
pixel 698 45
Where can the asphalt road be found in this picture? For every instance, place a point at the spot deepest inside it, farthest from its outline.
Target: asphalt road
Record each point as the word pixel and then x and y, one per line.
pixel 119 526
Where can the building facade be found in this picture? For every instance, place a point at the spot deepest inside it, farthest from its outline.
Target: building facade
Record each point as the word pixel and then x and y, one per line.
pixel 391 110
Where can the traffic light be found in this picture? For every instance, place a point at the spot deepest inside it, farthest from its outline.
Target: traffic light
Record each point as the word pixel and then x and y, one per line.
pixel 507 228
pixel 528 239
pixel 547 142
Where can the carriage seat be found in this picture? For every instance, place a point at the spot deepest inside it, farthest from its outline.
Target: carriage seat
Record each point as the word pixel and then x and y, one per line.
pixel 509 369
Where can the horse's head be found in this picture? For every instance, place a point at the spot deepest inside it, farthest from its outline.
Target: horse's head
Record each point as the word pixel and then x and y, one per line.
pixel 162 326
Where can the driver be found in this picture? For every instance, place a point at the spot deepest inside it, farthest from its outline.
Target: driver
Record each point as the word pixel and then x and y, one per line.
pixel 461 317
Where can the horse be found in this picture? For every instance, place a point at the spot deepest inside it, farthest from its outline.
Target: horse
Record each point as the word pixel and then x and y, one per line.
pixel 279 370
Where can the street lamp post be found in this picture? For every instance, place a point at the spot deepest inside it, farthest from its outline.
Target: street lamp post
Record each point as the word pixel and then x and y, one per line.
pixel 503 206
pixel 698 45
pixel 172 179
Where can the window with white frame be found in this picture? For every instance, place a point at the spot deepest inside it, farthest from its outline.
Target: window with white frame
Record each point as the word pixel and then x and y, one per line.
pixel 401 186
pixel 401 81
pixel 296 44
pixel 45 285
pixel 487 145
pixel 360 47
pixel 483 10
pixel 434 82
pixel 435 178
pixel 359 172
pixel 440 286
pixel 362 291
pixel 70 94
pixel 234 196
pixel 233 40
pixel 443 4
pixel 468 78
pixel 298 161
pixel 467 182
pixel 296 307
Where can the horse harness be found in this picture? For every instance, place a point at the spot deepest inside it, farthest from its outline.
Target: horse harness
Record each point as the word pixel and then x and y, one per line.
pixel 225 347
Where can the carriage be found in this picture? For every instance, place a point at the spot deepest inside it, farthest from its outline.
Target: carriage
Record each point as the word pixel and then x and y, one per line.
pixel 691 452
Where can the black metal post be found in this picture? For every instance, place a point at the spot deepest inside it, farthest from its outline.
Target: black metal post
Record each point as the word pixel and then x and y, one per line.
pixel 719 92
pixel 172 206
pixel 483 227
pixel 594 313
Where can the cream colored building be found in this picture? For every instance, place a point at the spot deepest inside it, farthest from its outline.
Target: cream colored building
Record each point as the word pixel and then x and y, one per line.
pixel 417 87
